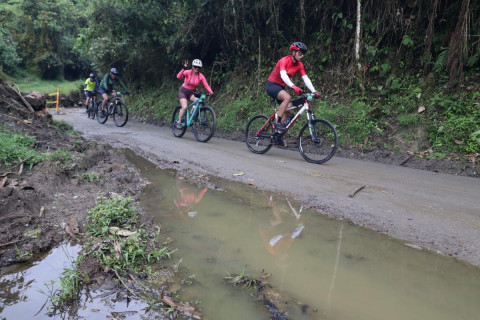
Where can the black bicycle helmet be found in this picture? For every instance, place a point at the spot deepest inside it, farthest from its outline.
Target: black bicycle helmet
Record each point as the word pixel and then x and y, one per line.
pixel 298 46
pixel 114 71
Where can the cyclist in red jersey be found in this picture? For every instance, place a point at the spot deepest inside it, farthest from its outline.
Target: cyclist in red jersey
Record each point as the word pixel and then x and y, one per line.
pixel 285 68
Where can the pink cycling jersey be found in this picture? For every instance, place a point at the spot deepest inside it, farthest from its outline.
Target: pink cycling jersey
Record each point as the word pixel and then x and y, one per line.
pixel 192 81
pixel 287 64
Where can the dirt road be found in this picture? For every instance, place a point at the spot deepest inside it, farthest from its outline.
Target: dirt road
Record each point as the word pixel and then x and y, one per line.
pixel 435 211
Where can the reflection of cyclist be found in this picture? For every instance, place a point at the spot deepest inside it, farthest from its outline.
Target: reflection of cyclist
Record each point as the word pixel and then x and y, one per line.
pixel 107 85
pixel 189 195
pixel 90 87
pixel 278 235
pixel 192 80
pixel 285 68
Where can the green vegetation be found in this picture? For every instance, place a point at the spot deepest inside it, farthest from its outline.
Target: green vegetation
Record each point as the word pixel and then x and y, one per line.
pixel 19 148
pixel 118 242
pixel 88 176
pixel 411 55
pixel 31 83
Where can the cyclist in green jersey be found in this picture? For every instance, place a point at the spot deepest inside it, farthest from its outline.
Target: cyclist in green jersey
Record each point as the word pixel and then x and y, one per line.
pixel 107 86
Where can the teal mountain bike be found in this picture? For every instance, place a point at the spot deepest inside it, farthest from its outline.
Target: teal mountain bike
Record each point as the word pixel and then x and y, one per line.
pixel 198 116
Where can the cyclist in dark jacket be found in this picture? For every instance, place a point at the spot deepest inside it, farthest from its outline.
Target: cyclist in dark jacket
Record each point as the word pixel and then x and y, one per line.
pixel 107 85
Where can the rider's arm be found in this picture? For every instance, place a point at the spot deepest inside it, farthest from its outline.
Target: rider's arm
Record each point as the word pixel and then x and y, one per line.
pixel 122 84
pixel 103 83
pixel 286 78
pixel 205 84
pixel 308 83
pixel 181 74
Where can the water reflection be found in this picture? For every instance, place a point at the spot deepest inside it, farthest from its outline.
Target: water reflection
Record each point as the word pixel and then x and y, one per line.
pixel 24 291
pixel 336 270
pixel 189 196
pixel 280 226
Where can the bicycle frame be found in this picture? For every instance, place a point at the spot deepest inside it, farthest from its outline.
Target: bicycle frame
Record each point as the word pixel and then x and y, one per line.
pixel 305 107
pixel 190 114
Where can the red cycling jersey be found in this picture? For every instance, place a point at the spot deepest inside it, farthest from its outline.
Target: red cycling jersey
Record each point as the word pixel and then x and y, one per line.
pixel 287 64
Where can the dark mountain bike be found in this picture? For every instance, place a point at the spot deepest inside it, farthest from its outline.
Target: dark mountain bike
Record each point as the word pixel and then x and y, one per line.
pixel 92 105
pixel 116 108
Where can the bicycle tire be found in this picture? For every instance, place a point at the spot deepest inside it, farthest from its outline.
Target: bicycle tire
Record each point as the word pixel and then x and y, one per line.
pixel 120 114
pixel 102 117
pixel 205 124
pixel 261 142
pixel 322 146
pixel 177 132
pixel 91 109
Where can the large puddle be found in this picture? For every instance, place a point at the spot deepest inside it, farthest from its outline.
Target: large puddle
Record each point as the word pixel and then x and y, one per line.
pixel 333 269
pixel 338 270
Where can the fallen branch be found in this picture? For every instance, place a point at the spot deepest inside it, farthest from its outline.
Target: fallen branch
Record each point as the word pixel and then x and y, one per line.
pixel 8 243
pixel 19 120
pixel 356 191
pixel 6 174
pixel 23 99
pixel 405 160
pixel 189 311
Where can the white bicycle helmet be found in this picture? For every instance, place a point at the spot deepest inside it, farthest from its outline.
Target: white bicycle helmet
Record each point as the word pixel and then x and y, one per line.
pixel 197 63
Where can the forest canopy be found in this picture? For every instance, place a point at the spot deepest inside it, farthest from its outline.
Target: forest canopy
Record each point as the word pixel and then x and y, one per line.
pixel 148 39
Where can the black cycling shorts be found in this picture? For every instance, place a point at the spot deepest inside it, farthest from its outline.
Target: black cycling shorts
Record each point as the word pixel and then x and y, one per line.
pixel 273 89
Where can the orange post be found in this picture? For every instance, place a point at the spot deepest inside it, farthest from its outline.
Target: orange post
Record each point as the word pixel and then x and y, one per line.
pixel 58 97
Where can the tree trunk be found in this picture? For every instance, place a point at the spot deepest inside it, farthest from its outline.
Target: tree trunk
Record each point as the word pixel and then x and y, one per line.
pixel 457 46
pixel 303 18
pixel 427 54
pixel 357 46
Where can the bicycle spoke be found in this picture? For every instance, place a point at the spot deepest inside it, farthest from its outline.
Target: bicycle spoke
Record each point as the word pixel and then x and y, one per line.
pixel 258 134
pixel 318 143
pixel 120 114
pixel 204 124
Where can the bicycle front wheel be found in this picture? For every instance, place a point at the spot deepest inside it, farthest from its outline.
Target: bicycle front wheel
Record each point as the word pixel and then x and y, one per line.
pixel 120 114
pixel 258 134
pixel 204 124
pixel 102 115
pixel 178 131
pixel 92 109
pixel 318 143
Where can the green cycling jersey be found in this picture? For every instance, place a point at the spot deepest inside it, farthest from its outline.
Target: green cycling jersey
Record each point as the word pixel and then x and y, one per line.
pixel 108 83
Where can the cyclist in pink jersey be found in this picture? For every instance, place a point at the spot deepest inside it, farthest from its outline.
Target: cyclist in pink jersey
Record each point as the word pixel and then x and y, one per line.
pixel 285 68
pixel 192 80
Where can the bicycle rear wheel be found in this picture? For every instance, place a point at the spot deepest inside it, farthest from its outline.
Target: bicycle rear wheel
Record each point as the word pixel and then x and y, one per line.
pixel 204 124
pixel 319 144
pixel 178 132
pixel 102 117
pixel 258 134
pixel 120 114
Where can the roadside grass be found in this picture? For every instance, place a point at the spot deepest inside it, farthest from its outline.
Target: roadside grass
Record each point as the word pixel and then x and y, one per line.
pixel 28 83
pixel 119 245
pixel 17 148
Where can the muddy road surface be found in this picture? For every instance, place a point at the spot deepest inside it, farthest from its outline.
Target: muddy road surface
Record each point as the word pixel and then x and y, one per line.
pixel 428 210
